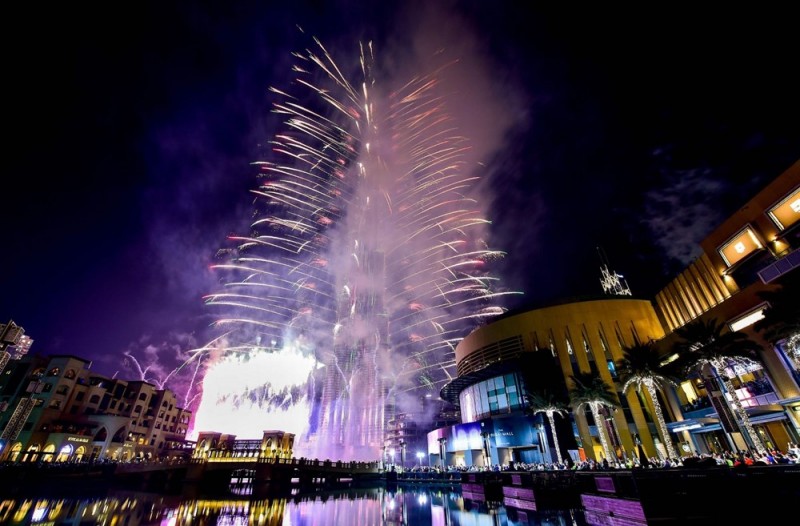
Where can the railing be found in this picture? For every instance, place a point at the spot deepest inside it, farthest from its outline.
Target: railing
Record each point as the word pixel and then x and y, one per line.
pixel 757 400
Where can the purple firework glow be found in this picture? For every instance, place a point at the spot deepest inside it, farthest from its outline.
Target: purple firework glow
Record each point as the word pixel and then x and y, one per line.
pixel 365 265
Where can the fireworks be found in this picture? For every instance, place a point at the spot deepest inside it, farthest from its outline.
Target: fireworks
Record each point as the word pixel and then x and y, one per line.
pixel 364 267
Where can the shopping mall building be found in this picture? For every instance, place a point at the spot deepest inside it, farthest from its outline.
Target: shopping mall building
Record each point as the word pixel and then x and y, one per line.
pixel 754 250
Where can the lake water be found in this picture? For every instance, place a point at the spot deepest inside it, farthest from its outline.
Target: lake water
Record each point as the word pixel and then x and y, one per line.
pixel 405 505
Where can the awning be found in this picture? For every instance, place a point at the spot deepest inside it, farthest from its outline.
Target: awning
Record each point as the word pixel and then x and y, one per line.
pixel 691 424
pixel 707 429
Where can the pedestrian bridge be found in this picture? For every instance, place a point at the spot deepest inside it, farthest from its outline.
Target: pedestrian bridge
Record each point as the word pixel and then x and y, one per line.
pixel 265 474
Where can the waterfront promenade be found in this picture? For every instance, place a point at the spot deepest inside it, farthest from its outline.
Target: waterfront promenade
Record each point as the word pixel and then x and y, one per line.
pixel 634 496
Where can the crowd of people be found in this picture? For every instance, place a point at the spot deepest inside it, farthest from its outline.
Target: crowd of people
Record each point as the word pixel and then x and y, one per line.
pixel 729 459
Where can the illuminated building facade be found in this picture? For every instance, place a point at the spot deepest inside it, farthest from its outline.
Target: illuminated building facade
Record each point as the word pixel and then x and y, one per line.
pixel 56 409
pixel 220 447
pixel 544 348
pixel 406 435
pixel 754 250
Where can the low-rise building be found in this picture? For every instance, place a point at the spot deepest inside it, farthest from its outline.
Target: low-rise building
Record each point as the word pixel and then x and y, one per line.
pixel 56 409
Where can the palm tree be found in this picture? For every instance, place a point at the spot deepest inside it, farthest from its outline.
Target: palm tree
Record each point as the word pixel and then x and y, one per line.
pixel 781 323
pixel 547 403
pixel 589 389
pixel 641 368
pixel 709 344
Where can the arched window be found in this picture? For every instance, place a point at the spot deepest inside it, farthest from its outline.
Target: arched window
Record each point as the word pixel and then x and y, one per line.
pixel 143 396
pixel 55 371
pixel 101 435
pixel 15 451
pixel 64 453
pixel 70 374
pixel 119 436
pixel 47 454
pixel 31 454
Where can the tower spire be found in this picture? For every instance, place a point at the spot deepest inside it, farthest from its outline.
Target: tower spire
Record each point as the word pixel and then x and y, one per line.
pixel 613 284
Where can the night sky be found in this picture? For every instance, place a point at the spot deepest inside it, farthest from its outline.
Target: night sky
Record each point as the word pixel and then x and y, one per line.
pixel 129 137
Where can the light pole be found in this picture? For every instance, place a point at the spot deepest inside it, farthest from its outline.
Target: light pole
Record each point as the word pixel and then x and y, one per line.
pixel 402 454
pixel 420 454
pixel 443 453
pixel 487 458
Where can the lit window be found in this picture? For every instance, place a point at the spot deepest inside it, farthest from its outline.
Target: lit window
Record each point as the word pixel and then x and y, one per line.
pixel 741 245
pixel 748 319
pixel 787 211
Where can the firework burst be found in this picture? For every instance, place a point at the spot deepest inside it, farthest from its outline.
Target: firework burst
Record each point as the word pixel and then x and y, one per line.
pixel 365 264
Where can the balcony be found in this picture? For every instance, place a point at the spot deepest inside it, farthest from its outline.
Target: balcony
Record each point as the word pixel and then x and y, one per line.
pixel 765 399
pixel 780 267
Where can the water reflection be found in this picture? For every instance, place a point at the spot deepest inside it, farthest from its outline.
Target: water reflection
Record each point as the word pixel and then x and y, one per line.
pixel 405 505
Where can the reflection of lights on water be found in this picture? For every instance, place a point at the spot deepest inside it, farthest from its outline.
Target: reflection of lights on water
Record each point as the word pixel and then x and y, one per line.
pixel 169 522
pixel 391 504
pixel 232 521
pixel 422 499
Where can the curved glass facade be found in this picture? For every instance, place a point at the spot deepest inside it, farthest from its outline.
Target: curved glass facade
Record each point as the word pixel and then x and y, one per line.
pixel 495 396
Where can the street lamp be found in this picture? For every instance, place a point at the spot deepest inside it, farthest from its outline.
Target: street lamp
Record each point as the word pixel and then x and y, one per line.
pixel 487 453
pixel 420 454
pixel 443 453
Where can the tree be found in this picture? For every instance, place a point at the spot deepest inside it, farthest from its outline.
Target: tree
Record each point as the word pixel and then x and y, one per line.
pixel 781 323
pixel 710 344
pixel 549 404
pixel 641 368
pixel 589 389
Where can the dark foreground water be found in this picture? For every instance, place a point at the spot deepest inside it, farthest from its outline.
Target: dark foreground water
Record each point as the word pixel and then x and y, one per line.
pixel 405 505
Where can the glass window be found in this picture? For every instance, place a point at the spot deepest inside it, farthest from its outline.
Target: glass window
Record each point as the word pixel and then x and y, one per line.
pixel 787 211
pixel 502 402
pixel 741 245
